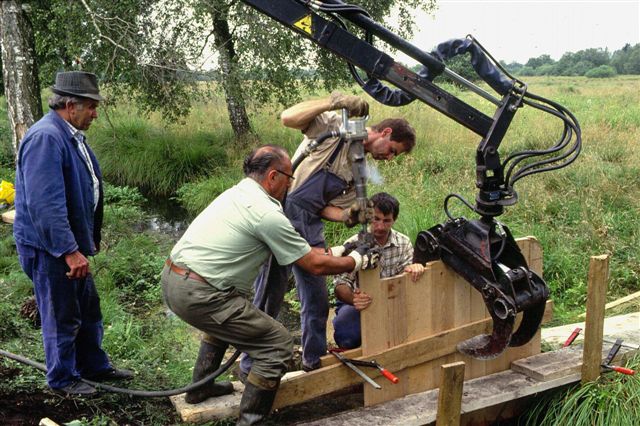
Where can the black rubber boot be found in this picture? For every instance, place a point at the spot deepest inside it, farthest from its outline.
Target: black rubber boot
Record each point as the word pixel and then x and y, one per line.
pixel 257 400
pixel 209 360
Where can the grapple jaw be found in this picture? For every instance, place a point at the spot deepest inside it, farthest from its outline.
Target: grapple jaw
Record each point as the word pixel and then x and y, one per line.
pixel 485 254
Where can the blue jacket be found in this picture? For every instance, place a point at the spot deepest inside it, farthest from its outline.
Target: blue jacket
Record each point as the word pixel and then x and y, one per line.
pixel 54 192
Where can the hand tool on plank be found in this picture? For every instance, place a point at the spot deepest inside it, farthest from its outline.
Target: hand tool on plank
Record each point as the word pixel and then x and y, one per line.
pixel 612 354
pixel 351 363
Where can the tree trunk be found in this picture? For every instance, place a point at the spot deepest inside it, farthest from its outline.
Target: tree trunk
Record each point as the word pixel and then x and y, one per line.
pixel 20 70
pixel 231 82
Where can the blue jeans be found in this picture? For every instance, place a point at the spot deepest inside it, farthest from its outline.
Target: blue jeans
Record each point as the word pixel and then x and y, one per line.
pixel 314 311
pixel 71 319
pixel 347 326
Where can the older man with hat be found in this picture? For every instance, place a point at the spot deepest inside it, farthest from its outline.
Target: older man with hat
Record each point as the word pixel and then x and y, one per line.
pixel 59 205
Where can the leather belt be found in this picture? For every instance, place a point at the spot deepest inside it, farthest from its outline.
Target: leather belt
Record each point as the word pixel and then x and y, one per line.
pixel 184 272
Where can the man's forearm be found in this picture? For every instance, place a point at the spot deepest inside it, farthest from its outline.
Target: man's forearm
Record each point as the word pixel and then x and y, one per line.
pixel 344 293
pixel 300 115
pixel 332 213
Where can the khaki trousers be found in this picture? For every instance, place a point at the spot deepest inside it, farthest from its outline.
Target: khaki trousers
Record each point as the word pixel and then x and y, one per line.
pixel 229 317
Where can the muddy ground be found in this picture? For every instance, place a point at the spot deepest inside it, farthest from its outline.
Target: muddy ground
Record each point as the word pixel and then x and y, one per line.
pixel 26 409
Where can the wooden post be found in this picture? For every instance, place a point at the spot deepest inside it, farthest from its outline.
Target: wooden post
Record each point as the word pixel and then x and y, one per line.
pixel 450 394
pixel 594 325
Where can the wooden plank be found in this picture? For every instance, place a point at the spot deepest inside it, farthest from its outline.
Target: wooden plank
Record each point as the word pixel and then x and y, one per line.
pixel 594 325
pixel 563 362
pixel 9 216
pixel 630 298
pixel 334 377
pixel 450 394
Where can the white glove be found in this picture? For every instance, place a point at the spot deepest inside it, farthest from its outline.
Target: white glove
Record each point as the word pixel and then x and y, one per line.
pixel 368 260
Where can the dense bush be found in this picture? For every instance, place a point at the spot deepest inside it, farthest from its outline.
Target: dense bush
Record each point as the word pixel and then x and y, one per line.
pixel 624 61
pixel 603 71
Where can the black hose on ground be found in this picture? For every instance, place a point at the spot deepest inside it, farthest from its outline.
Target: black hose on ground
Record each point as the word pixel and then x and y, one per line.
pixel 148 394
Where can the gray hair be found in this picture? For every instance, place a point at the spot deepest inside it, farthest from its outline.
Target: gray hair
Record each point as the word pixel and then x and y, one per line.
pixel 60 101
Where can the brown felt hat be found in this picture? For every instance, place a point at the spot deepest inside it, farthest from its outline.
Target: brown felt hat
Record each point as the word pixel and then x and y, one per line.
pixel 77 83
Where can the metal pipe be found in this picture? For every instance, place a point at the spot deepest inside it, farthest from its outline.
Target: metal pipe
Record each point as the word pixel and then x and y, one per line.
pixel 469 85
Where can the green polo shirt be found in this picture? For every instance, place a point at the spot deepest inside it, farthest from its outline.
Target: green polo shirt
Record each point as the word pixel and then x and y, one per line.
pixel 229 241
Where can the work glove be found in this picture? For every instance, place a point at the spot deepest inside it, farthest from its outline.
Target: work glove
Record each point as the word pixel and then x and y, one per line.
pixel 356 214
pixel 344 249
pixel 356 106
pixel 365 257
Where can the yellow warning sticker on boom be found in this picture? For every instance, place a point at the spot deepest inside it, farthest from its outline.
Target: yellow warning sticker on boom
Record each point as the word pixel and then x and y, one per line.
pixel 304 24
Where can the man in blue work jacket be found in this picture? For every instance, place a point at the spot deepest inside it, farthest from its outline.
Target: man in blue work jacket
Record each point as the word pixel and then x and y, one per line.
pixel 59 207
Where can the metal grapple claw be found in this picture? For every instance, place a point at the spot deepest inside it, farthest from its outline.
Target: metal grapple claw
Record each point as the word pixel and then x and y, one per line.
pixel 485 254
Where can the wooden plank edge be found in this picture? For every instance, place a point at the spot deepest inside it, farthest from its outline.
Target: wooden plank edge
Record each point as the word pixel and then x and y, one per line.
pixel 617 302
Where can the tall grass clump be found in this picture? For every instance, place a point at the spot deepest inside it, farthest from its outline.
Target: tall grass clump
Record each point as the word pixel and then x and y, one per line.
pixel 156 157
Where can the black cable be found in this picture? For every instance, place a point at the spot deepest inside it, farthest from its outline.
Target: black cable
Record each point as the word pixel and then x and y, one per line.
pixel 149 394
pixel 461 198
pixel 573 127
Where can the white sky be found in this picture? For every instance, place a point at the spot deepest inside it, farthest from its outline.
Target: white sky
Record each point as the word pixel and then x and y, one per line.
pixel 516 30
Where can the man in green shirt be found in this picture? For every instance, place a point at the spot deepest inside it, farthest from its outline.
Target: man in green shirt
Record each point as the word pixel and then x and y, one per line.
pixel 208 278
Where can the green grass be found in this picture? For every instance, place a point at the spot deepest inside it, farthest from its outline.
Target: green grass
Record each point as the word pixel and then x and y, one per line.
pixel 154 156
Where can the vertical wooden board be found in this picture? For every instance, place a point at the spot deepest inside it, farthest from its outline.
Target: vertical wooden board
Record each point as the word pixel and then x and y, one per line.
pixel 475 368
pixel 441 314
pixel 450 395
pixel 373 320
pixel 594 324
pixel 395 290
pixel 419 299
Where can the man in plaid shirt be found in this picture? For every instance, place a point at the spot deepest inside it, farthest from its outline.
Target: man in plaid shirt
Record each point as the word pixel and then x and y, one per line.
pixel 396 258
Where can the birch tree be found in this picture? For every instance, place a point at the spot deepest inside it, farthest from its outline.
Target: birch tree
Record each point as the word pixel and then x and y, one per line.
pixel 19 70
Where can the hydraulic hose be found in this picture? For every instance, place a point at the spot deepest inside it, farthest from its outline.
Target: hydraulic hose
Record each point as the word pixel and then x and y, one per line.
pixel 312 146
pixel 148 394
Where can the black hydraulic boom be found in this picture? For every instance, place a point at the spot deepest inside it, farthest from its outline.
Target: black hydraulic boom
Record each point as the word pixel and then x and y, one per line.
pixel 482 250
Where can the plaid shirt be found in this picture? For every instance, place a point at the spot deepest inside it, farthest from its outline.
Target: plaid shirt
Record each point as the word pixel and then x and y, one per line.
pixel 396 254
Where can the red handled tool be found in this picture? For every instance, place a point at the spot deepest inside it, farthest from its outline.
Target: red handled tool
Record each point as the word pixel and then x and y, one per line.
pixel 572 337
pixel 612 354
pixel 351 363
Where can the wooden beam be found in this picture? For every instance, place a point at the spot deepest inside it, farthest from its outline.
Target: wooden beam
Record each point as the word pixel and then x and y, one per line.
pixel 618 302
pixel 594 325
pixel 450 395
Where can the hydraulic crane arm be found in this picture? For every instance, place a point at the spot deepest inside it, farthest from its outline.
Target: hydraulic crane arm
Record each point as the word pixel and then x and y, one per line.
pixel 363 55
pixel 483 251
